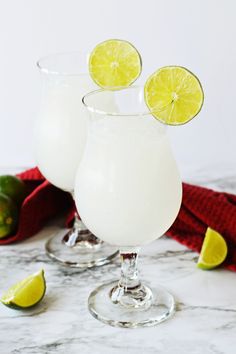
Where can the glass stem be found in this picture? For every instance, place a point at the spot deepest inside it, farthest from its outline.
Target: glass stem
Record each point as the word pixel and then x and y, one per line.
pixel 80 236
pixel 78 224
pixel 129 269
pixel 130 292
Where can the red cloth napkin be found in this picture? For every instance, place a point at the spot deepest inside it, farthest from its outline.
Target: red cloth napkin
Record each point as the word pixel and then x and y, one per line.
pixel 43 202
pixel 202 207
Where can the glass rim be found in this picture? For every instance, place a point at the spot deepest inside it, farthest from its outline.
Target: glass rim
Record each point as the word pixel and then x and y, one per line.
pixel 116 114
pixel 44 69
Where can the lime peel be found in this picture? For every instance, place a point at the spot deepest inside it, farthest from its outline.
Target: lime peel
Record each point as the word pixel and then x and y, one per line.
pixel 13 187
pixel 8 216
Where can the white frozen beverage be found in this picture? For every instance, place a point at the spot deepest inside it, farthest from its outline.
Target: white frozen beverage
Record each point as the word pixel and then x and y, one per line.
pixel 128 189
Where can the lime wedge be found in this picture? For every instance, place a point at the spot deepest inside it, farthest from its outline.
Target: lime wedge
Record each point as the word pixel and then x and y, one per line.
pixel 174 95
pixel 26 293
pixel 115 64
pixel 214 250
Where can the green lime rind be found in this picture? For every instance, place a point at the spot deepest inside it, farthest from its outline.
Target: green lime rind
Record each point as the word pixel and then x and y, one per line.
pixel 13 187
pixel 8 216
pixel 206 267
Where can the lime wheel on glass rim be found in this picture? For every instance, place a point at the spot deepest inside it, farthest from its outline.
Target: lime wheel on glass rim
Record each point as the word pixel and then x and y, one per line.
pixel 174 95
pixel 114 64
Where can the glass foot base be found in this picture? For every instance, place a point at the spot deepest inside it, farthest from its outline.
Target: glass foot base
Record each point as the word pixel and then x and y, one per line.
pixel 79 256
pixel 102 308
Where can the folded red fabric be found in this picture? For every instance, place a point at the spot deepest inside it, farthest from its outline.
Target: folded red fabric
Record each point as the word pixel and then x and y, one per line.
pixel 43 202
pixel 202 207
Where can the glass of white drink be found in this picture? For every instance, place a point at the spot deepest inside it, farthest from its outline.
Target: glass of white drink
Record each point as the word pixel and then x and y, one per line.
pixel 128 191
pixel 61 132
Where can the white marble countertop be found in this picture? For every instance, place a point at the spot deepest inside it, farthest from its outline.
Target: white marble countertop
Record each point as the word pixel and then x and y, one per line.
pixel 205 322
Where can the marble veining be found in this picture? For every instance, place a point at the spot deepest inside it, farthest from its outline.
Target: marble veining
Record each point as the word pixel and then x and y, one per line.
pixel 204 323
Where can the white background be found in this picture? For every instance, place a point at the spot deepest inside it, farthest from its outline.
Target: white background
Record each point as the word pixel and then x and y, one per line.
pixel 200 35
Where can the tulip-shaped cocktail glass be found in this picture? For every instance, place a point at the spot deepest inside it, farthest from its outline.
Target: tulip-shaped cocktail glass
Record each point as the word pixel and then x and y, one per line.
pixel 128 191
pixel 61 133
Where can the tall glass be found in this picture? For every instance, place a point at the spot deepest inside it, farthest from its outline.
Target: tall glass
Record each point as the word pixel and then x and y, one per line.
pixel 128 191
pixel 61 133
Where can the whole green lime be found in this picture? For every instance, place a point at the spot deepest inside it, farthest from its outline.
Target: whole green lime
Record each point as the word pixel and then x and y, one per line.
pixel 13 187
pixel 8 215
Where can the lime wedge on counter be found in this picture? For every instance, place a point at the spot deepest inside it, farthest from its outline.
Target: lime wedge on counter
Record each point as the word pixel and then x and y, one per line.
pixel 214 250
pixel 26 293
pixel 114 64
pixel 174 95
